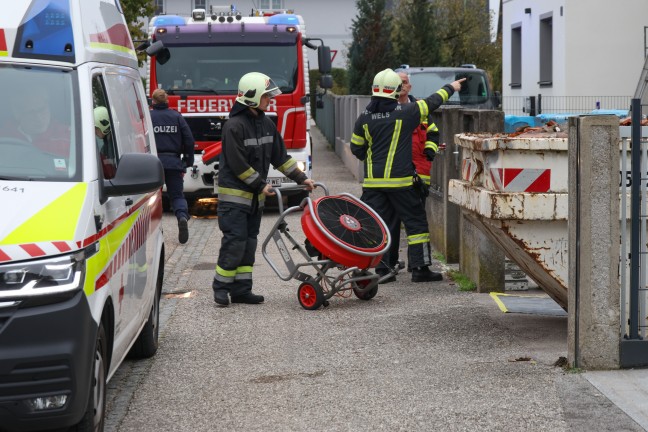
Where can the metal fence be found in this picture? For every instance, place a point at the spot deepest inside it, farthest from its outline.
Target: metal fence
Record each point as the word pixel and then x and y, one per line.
pixel 634 253
pixel 539 104
pixel 633 235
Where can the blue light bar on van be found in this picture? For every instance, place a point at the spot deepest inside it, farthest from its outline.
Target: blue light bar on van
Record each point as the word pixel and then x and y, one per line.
pixel 285 19
pixel 46 32
pixel 169 20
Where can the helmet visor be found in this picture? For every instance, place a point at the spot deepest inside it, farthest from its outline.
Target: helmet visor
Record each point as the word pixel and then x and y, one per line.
pixel 273 92
pixel 271 89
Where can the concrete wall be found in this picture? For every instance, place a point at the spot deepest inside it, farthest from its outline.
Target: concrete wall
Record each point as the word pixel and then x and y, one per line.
pixel 480 258
pixel 593 295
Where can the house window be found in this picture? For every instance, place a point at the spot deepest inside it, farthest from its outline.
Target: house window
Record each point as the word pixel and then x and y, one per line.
pixel 270 4
pixel 516 57
pixel 546 50
pixel 199 4
pixel 159 7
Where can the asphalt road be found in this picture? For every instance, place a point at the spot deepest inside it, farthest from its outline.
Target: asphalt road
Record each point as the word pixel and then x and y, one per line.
pixel 418 357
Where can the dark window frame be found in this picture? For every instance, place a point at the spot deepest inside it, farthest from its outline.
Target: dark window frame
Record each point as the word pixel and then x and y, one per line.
pixel 516 56
pixel 545 51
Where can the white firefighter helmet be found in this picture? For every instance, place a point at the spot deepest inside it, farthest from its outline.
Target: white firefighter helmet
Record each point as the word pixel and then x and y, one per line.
pixel 252 86
pixel 101 119
pixel 386 84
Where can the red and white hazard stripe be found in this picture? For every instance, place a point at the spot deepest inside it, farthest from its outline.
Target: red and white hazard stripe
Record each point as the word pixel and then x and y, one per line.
pixel 521 179
pixel 468 169
pixel 34 250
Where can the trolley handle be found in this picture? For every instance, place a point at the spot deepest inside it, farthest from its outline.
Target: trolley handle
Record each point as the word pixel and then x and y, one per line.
pixel 292 187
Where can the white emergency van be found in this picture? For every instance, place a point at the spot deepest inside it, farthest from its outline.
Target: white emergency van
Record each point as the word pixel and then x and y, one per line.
pixel 81 246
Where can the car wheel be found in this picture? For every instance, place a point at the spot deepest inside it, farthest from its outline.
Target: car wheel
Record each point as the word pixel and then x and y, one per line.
pixel 146 344
pixel 94 417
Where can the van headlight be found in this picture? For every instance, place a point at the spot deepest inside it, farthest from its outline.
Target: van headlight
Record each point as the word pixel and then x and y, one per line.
pixel 59 277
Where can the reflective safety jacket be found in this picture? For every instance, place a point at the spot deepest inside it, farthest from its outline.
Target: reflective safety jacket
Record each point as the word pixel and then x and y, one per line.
pixel 383 140
pixel 250 144
pixel 426 135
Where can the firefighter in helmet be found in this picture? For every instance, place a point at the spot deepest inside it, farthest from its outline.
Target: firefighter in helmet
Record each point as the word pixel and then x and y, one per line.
pixel 104 141
pixel 251 143
pixel 382 138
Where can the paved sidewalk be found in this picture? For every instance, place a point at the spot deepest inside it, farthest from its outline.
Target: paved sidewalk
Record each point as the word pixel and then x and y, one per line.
pixel 418 357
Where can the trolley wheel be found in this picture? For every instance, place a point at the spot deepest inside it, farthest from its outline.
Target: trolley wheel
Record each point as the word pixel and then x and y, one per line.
pixel 310 295
pixel 365 295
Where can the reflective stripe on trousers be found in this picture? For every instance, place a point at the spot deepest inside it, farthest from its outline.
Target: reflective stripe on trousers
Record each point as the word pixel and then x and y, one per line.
pixel 394 206
pixel 240 229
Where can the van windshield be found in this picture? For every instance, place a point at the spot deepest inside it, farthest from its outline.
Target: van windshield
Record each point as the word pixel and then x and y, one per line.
pixel 38 124
pixel 475 92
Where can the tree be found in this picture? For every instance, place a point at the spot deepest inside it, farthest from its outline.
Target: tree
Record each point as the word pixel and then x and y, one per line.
pixel 415 35
pixel 371 49
pixel 464 30
pixel 134 11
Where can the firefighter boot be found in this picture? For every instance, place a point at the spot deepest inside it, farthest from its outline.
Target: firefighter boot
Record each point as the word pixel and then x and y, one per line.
pixel 221 296
pixel 424 274
pixel 248 298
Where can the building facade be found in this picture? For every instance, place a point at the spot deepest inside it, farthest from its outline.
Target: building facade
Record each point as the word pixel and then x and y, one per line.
pixel 572 48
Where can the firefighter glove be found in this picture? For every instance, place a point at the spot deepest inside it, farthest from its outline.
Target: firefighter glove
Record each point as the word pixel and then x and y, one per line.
pixel 429 154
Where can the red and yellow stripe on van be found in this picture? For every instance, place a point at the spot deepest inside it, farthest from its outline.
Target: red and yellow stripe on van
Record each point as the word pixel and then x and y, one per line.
pixel 119 240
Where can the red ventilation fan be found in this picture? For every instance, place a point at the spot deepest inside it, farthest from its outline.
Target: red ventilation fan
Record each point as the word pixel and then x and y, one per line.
pixel 345 231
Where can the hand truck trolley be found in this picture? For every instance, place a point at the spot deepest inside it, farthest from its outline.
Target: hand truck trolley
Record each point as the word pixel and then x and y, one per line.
pixel 344 239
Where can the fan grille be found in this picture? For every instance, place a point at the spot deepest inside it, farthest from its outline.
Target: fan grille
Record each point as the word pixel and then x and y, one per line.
pixel 350 223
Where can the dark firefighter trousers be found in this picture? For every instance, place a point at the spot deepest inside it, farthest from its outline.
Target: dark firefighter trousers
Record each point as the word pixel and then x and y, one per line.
pixel 394 206
pixel 240 229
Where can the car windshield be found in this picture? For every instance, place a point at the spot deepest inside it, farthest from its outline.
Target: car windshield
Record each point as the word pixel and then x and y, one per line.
pixel 218 69
pixel 475 91
pixel 38 124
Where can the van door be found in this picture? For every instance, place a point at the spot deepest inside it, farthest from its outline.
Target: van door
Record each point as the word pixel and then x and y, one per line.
pixel 133 135
pixel 117 216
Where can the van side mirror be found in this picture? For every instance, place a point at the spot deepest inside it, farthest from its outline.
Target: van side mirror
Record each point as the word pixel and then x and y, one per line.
pixel 324 59
pixel 160 52
pixel 137 173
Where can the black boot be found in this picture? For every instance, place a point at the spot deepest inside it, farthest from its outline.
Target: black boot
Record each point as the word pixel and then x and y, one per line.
pixel 221 297
pixel 248 298
pixel 424 274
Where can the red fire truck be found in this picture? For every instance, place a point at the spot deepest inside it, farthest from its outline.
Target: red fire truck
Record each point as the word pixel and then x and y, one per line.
pixel 199 60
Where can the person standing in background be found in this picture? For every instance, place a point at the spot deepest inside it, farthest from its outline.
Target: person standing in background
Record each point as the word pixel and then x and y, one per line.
pixel 175 148
pixel 382 139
